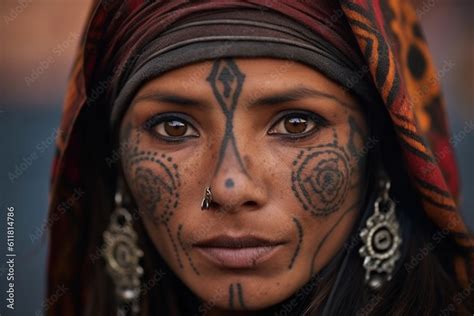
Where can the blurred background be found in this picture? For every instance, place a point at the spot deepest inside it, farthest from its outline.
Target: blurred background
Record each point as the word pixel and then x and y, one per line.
pixel 37 42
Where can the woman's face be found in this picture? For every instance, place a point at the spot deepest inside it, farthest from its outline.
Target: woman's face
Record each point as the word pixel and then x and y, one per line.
pixel 281 148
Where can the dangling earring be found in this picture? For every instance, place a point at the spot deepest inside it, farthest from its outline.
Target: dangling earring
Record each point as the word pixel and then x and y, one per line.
pixel 122 256
pixel 382 240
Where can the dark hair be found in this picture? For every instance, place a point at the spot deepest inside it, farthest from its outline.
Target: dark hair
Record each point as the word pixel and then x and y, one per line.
pixel 425 287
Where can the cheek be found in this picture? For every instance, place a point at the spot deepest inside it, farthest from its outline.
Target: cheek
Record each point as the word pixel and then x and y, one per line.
pixel 321 179
pixel 155 183
pixel 326 193
pixel 326 178
pixel 327 237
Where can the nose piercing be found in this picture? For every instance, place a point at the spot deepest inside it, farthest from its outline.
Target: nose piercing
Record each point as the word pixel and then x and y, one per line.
pixel 206 201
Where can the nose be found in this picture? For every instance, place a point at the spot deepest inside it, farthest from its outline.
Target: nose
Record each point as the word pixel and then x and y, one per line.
pixel 234 189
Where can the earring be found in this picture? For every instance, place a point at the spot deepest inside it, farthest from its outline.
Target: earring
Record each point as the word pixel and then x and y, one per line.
pixel 122 256
pixel 382 240
pixel 207 200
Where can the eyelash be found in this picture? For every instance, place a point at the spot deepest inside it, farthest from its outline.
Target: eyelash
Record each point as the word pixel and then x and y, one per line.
pixel 319 121
pixel 150 125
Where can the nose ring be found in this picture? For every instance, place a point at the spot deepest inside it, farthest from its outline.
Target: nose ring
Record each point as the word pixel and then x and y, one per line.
pixel 206 201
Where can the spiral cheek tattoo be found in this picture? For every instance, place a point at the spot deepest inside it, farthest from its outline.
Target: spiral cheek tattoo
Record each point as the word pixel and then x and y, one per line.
pixel 321 176
pixel 321 179
pixel 155 181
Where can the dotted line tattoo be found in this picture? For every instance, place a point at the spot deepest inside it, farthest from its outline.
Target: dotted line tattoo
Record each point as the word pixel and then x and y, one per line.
pixel 156 191
pixel 180 228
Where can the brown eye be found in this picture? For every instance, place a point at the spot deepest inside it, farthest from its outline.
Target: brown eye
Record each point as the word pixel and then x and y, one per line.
pixel 175 128
pixel 172 128
pixel 295 125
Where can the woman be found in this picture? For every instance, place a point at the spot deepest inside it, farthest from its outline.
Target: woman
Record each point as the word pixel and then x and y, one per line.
pixel 253 158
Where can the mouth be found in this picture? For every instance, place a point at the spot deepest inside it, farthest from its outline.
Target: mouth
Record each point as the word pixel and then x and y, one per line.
pixel 238 252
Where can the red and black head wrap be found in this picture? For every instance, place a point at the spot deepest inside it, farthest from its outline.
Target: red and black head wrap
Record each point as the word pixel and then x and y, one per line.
pixel 365 48
pixel 237 32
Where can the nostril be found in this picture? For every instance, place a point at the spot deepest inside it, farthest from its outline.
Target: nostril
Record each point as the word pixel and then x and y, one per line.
pixel 214 205
pixel 250 204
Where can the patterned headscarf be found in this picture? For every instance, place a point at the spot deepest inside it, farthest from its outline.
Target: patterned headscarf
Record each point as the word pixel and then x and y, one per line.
pixel 386 35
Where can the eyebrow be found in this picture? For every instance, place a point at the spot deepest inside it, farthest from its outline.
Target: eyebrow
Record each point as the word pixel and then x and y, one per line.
pixel 157 96
pixel 296 94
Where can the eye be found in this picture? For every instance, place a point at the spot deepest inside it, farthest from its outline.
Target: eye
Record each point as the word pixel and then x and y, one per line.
pixel 174 128
pixel 297 124
pixel 171 128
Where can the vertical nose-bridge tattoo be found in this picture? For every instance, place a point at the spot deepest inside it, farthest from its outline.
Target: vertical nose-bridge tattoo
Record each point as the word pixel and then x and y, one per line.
pixel 226 81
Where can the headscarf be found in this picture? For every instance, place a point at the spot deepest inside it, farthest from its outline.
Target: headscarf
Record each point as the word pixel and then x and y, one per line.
pixel 384 35
pixel 236 33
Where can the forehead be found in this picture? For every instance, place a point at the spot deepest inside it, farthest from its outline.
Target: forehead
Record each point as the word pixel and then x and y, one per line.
pixel 259 74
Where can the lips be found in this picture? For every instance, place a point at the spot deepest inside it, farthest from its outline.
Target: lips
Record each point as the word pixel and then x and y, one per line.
pixel 238 252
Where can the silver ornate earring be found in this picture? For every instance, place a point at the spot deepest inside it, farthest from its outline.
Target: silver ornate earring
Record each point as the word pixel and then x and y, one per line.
pixel 122 256
pixel 206 201
pixel 382 240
